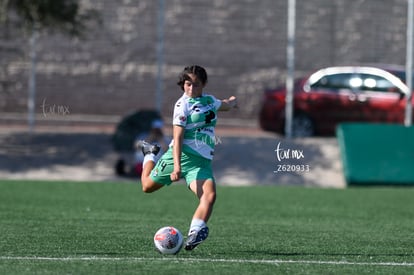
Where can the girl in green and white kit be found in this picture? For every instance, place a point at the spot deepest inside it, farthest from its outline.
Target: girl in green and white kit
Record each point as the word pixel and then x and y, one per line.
pixel 191 151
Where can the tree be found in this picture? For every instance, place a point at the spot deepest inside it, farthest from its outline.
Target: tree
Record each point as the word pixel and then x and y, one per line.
pixel 37 16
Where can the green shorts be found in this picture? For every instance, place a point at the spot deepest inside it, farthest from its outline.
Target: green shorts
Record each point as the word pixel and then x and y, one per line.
pixel 192 168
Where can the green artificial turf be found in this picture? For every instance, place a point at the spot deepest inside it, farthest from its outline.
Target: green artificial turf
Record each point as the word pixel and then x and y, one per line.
pixel 107 228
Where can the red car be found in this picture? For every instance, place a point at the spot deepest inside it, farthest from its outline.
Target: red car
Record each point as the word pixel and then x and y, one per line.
pixel 338 94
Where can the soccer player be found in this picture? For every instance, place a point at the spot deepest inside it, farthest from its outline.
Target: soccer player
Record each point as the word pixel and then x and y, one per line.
pixel 191 151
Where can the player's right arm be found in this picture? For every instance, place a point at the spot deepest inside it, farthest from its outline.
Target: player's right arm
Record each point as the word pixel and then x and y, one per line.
pixel 178 136
pixel 179 123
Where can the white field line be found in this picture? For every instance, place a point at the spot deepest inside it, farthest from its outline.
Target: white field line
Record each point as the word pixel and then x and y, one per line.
pixel 176 259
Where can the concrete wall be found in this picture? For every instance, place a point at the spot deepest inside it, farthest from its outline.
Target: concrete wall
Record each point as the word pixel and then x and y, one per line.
pixel 242 43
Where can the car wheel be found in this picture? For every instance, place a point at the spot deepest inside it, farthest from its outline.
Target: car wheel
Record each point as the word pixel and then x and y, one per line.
pixel 302 126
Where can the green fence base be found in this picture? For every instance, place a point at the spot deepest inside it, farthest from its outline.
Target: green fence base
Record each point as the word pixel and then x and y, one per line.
pixel 377 154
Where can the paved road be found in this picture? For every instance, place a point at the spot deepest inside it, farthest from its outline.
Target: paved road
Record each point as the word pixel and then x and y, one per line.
pixel 243 157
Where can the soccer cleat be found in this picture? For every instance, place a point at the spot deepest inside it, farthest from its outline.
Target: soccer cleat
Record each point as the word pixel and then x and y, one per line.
pixel 147 148
pixel 195 238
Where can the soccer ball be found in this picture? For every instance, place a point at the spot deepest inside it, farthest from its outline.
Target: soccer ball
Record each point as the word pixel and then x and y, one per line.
pixel 168 240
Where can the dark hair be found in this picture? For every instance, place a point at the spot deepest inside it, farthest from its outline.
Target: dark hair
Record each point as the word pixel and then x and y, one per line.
pixel 198 71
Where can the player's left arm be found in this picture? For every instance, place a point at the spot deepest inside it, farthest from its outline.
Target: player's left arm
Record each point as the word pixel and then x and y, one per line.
pixel 228 104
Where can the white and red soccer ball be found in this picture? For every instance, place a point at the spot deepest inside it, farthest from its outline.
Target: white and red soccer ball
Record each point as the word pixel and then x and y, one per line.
pixel 168 240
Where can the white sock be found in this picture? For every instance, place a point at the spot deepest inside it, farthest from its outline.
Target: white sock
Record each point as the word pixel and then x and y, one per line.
pixel 197 224
pixel 148 157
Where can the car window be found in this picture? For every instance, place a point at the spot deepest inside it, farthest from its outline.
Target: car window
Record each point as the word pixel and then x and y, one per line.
pixel 372 82
pixel 401 75
pixel 334 81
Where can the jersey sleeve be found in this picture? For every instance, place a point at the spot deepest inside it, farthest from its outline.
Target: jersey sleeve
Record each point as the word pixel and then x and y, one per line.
pixel 216 102
pixel 180 113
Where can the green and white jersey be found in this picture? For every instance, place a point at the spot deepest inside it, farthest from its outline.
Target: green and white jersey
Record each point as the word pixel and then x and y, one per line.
pixel 198 116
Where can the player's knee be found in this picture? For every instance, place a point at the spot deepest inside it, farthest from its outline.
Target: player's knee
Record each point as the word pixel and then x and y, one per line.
pixel 149 186
pixel 147 190
pixel 146 185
